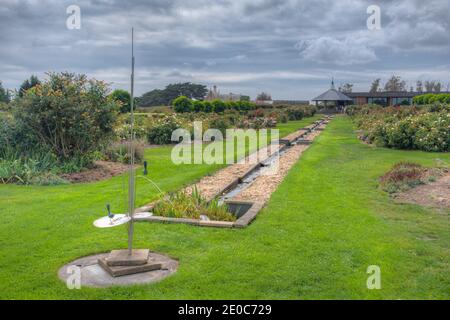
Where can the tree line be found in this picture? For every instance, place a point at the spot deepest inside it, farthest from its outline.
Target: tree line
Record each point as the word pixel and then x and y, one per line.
pixel 397 84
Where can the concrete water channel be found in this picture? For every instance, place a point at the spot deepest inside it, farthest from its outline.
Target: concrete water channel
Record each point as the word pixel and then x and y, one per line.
pixel 267 164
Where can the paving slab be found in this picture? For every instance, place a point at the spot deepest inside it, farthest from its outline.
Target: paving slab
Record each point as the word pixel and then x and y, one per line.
pixel 122 258
pixel 93 275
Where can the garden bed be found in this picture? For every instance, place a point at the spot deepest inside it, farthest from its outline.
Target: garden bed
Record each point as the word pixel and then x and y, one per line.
pixel 103 170
pixel 435 194
pixel 245 212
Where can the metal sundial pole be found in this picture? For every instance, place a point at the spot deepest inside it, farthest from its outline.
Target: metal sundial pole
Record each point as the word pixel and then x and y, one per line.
pixel 131 180
pixel 132 261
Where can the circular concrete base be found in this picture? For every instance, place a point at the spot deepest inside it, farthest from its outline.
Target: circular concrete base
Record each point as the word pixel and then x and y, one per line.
pixel 92 275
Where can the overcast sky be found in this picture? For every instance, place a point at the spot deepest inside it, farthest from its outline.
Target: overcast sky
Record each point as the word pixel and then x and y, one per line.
pixel 290 48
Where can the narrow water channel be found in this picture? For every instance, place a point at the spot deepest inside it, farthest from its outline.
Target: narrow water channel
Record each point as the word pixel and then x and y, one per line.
pixel 265 165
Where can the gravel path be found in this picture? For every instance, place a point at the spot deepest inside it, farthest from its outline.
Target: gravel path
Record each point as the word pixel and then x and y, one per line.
pixel 263 186
pixel 210 186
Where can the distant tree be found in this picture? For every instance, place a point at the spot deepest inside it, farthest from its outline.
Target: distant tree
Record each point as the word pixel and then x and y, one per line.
pixel 437 87
pixel 190 90
pixel 263 96
pixel 375 86
pixel 433 86
pixel 159 97
pixel 124 98
pixel 28 84
pixel 346 88
pixel 419 86
pixel 395 84
pixel 153 98
pixel 4 94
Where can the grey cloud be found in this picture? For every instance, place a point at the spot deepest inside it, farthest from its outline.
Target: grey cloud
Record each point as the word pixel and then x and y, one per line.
pixel 341 52
pixel 248 44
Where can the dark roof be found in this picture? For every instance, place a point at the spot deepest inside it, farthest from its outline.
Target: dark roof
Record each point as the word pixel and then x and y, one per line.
pixel 392 94
pixel 332 95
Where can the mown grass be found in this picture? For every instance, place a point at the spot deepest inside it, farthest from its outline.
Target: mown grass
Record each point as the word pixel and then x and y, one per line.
pixel 323 227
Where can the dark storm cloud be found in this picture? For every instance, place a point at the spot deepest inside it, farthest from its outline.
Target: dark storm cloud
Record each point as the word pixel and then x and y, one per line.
pixel 288 47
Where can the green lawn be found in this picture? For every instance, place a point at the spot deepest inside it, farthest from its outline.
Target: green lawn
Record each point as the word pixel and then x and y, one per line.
pixel 321 230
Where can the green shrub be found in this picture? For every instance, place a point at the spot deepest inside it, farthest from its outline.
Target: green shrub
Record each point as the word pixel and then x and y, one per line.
pixel 198 106
pixel 433 132
pixel 405 127
pixel 237 105
pixel 308 111
pixel 219 123
pixel 37 169
pixel 233 117
pixel 218 106
pixel 123 131
pixel 4 106
pixel 119 152
pixel 295 113
pixel 258 123
pixel 182 104
pixel 48 179
pixel 431 98
pixel 122 97
pixel 437 107
pixel 258 113
pixel 14 135
pixel 161 133
pixel 191 206
pixel 67 114
pixel 208 106
pixel 231 105
pixel 400 134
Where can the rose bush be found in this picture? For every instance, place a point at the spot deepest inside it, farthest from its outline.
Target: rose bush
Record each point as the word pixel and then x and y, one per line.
pixel 405 127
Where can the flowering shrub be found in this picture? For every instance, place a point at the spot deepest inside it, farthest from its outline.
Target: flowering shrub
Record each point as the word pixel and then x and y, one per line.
pixel 258 123
pixel 405 127
pixel 156 128
pixel 123 131
pixel 119 152
pixel 160 132
pixel 68 115
pixel 295 113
